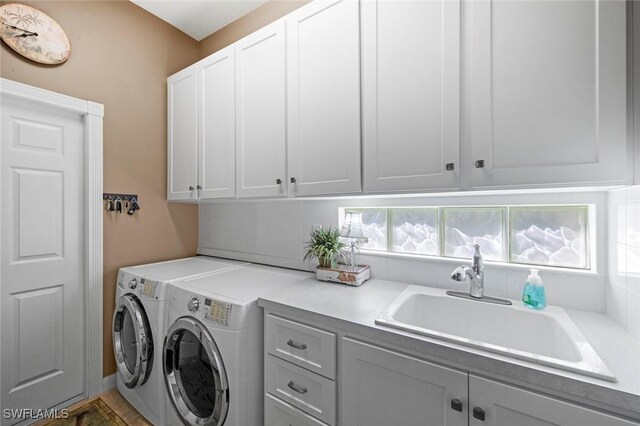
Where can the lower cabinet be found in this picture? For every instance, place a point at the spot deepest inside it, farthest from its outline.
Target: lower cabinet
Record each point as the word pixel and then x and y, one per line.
pixel 381 388
pixel 378 386
pixel 496 404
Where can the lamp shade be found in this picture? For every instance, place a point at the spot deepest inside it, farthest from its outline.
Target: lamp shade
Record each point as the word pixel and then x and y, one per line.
pixel 353 227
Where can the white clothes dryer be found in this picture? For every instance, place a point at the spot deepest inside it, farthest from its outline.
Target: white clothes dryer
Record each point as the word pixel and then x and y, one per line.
pixel 213 351
pixel 139 328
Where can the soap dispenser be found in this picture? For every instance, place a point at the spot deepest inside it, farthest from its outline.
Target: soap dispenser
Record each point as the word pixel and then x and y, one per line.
pixel 534 295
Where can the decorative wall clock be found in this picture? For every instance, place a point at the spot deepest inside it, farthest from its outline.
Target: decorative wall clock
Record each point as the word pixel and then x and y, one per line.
pixel 33 34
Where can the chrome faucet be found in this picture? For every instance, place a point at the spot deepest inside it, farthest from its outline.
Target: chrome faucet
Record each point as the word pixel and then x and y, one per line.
pixel 475 273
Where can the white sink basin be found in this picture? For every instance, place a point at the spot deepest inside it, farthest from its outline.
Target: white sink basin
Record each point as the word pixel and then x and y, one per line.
pixel 548 337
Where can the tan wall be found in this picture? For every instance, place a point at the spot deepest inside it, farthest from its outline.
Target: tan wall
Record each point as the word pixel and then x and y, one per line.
pixel 121 57
pixel 258 18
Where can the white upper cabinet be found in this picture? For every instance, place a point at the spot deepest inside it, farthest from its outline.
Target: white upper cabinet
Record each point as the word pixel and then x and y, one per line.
pixel 323 76
pixel 261 114
pixel 216 76
pixel 410 94
pixel 547 93
pixel 182 135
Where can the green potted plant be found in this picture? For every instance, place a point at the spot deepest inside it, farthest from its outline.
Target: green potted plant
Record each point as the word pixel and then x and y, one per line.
pixel 326 246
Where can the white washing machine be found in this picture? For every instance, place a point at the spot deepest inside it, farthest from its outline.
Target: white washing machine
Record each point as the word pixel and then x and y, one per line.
pixel 139 328
pixel 213 361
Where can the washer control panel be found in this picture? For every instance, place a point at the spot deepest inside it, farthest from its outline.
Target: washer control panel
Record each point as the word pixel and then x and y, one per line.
pixel 217 311
pixel 148 287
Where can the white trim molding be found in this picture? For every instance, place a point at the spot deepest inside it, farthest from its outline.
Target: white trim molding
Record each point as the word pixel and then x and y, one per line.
pixel 93 114
pixel 109 382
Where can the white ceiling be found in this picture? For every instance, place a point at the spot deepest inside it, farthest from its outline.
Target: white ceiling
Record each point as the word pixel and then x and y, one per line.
pixel 199 18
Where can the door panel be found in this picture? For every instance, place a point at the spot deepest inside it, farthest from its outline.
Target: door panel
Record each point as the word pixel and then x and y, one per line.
pixel 381 387
pixel 261 125
pixel 41 256
pixel 505 405
pixel 217 143
pixel 411 94
pixel 323 75
pixel 547 90
pixel 182 173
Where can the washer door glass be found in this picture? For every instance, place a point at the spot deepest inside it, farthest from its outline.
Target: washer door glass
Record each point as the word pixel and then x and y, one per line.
pixel 132 341
pixel 194 374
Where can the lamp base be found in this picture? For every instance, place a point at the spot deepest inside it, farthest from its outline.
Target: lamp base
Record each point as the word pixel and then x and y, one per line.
pixel 344 274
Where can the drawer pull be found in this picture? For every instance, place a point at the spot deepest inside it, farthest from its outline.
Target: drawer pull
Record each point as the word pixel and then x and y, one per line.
pixel 295 345
pixel 300 389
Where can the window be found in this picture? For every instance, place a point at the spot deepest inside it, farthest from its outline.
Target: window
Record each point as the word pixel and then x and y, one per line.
pixel 465 227
pixel 533 235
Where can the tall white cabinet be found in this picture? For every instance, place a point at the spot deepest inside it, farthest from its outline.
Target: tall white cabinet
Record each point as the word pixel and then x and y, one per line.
pixel 216 124
pixel 182 135
pixel 261 113
pixel 323 76
pixel 546 93
pixel 410 94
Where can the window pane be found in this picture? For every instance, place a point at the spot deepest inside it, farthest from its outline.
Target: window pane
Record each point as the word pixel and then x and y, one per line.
pixel 464 227
pixel 554 236
pixel 375 227
pixel 415 231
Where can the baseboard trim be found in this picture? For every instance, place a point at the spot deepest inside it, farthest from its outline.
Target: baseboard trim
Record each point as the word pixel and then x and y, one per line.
pixel 108 382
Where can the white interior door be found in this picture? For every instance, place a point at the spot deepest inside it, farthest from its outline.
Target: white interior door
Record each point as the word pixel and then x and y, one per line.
pixel 41 287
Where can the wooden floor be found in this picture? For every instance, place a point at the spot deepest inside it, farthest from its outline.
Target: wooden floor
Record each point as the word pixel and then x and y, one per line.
pixel 118 404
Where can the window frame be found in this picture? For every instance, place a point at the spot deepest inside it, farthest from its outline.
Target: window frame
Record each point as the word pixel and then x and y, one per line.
pixel 506 229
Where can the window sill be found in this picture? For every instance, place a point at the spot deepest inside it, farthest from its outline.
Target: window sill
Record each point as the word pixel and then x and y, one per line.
pixel 492 264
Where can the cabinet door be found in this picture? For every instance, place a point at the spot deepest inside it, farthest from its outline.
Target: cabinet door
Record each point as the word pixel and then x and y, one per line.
pixel 381 388
pixel 182 135
pixel 261 125
pixel 504 405
pixel 323 81
pixel 411 94
pixel 548 92
pixel 217 125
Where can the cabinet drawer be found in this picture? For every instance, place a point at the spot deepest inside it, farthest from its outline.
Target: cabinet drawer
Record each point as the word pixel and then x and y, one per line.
pixel 302 345
pixel 279 413
pixel 313 394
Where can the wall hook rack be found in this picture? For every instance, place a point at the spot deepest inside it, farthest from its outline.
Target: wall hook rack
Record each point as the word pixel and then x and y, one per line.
pixel 121 202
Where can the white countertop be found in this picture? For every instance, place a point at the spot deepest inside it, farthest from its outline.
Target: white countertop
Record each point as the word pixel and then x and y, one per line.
pixel 354 310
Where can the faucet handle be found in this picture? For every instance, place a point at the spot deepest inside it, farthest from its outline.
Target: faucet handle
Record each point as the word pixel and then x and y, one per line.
pixel 459 273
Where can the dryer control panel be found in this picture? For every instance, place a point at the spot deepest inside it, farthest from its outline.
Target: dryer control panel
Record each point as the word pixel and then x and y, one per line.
pixel 148 288
pixel 217 311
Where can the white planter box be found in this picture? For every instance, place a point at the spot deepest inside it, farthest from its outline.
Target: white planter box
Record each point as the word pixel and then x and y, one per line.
pixel 344 274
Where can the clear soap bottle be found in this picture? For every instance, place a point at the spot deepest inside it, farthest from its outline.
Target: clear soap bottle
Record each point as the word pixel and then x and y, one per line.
pixel 534 295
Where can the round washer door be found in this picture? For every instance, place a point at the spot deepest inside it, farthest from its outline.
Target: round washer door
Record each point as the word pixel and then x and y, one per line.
pixel 194 374
pixel 132 341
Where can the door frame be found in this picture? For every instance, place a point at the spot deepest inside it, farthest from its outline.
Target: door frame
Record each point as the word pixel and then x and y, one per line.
pixel 93 114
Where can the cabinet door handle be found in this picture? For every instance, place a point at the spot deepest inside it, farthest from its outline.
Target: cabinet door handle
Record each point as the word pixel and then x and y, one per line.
pixel 191 188
pixel 300 389
pixel 198 187
pixel 449 167
pixel 292 180
pixel 478 413
pixel 300 346
pixel 456 405
pixel 278 181
pixel 479 164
